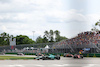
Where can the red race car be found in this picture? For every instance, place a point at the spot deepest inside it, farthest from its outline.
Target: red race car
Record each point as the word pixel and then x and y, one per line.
pixel 78 56
pixel 68 55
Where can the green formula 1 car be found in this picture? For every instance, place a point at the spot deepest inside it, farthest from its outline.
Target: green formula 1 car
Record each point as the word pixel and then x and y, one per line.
pixel 48 57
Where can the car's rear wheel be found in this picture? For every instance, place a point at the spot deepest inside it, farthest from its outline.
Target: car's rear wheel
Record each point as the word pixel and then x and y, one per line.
pixel 38 59
pixel 64 56
pixel 74 57
pixel 82 57
pixel 58 58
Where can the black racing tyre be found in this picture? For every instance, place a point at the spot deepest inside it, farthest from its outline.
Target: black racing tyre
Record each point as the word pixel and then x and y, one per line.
pixel 38 59
pixel 43 58
pixel 58 58
pixel 74 57
pixel 82 57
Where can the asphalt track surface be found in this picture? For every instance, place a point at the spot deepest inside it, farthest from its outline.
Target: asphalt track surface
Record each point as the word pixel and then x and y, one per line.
pixel 63 62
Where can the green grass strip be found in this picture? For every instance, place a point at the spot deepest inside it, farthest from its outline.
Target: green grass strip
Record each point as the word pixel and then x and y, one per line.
pixel 14 57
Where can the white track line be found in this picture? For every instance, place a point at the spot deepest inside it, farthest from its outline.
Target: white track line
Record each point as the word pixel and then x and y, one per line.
pixel 90 65
pixel 82 65
pixel 53 65
pixel 16 66
pixel 40 65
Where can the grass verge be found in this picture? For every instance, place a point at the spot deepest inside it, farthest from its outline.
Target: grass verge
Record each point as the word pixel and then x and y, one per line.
pixel 14 58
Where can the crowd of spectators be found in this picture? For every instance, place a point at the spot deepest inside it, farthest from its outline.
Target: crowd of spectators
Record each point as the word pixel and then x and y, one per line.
pixel 83 38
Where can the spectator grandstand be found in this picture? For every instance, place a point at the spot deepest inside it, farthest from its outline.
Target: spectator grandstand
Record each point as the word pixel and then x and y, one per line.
pixel 82 40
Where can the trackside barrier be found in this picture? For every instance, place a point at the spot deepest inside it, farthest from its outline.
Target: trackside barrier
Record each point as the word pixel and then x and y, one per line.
pixel 61 54
pixel 87 55
pixel 94 55
pixel 91 55
pixel 11 53
pixel 24 53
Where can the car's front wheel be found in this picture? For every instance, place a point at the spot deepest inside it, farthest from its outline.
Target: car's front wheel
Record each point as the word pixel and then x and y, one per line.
pixel 43 58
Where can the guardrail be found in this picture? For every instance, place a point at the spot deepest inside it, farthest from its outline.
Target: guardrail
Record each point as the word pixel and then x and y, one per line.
pixel 61 54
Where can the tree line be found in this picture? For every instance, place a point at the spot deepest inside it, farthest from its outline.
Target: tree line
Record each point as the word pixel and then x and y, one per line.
pixel 49 36
pixel 96 27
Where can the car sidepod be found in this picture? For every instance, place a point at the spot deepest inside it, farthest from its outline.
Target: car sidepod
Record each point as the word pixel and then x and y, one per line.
pixel 52 57
pixel 57 57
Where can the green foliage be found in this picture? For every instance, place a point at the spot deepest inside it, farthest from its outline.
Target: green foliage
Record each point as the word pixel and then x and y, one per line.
pixel 39 40
pixel 23 39
pixel 4 39
pixel 57 35
pixel 95 29
pixel 97 23
pixel 14 57
pixel 49 36
pixel 45 40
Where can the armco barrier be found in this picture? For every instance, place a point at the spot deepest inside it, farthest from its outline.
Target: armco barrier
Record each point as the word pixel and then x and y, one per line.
pixel 92 55
pixel 61 54
pixel 23 53
pixel 11 53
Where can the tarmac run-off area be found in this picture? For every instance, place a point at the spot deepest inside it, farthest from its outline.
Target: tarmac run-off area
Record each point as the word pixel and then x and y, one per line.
pixel 63 62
